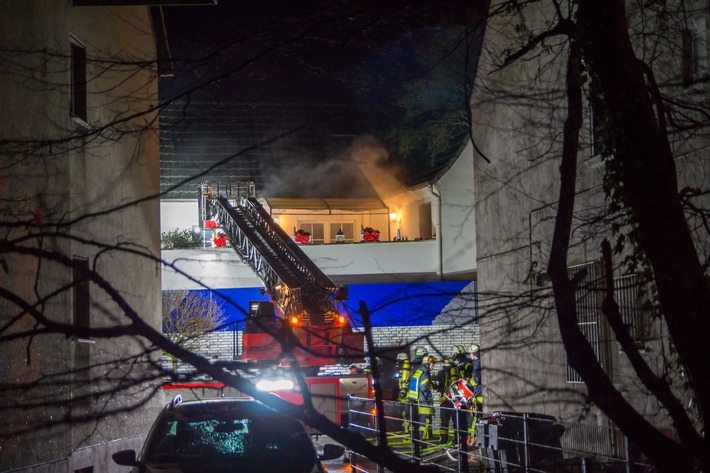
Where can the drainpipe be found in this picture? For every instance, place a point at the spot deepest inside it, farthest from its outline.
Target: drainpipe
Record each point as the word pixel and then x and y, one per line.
pixel 437 192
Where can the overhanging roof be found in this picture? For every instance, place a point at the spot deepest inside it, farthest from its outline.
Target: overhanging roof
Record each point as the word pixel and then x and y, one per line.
pixel 319 204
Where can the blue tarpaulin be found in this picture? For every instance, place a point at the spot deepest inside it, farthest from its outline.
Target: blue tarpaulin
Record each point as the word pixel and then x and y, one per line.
pixel 397 304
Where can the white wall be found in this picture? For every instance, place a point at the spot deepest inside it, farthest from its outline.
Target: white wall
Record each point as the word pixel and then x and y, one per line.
pixel 178 214
pixel 222 267
pixel 457 232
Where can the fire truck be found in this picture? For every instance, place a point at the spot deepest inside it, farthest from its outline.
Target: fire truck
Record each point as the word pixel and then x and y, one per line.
pixel 305 305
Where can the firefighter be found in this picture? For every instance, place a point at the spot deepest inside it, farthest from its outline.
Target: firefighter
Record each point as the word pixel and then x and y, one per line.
pixel 472 373
pixel 402 373
pixel 460 359
pixel 447 375
pixel 420 393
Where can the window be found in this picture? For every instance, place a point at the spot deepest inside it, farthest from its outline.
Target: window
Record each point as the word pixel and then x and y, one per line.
pixel 596 131
pixel 631 295
pixel 347 229
pixel 589 313
pixel 694 48
pixel 78 81
pixel 81 318
pixel 426 230
pixel 687 57
pixel 315 229
pixel 81 314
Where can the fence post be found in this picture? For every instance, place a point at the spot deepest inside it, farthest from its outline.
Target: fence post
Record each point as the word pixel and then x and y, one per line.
pixel 461 439
pixel 380 468
pixel 526 444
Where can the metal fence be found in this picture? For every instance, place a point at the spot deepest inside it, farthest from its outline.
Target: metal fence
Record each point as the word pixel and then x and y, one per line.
pixel 503 442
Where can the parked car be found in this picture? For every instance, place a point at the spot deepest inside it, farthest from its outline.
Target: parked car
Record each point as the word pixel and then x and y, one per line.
pixel 226 435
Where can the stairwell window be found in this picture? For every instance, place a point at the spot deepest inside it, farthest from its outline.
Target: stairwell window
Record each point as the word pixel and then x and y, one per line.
pixel 81 319
pixel 78 81
pixel 694 47
pixel 589 313
pixel 633 296
pixel 688 60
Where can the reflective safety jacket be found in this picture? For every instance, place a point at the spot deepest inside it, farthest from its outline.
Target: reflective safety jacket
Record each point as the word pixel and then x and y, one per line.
pixel 420 386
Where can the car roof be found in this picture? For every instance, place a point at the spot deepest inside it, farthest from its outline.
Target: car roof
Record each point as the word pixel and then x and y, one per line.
pixel 247 405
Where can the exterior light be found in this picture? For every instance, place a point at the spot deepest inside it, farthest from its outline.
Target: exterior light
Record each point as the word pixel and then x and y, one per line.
pixel 396 216
pixel 294 320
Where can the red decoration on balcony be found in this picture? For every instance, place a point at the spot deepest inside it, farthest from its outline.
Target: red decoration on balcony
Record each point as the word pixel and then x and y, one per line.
pixel 370 234
pixel 220 240
pixel 302 237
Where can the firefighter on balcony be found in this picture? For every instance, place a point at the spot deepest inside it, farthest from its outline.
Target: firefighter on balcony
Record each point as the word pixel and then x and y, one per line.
pixel 472 373
pixel 446 376
pixel 420 395
pixel 402 373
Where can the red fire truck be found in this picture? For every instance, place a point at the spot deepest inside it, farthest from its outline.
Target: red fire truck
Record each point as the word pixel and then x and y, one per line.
pixel 305 307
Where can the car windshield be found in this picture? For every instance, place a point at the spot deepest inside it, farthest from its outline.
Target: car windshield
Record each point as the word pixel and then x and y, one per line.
pixel 223 438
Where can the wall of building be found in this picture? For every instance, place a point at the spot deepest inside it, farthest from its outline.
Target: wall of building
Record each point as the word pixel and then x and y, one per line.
pixel 456 232
pixel 77 183
pixel 516 191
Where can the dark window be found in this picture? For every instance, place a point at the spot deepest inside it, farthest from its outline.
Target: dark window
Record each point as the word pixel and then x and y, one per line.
pixel 596 130
pixel 687 57
pixel 81 316
pixel 82 313
pixel 78 81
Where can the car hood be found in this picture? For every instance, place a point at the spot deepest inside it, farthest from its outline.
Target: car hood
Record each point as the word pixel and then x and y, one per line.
pixel 235 467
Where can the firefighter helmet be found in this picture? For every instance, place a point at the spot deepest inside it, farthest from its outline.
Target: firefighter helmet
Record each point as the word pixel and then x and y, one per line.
pixel 432 359
pixel 421 352
pixel 448 362
pixel 402 356
pixel 474 348
pixel 459 350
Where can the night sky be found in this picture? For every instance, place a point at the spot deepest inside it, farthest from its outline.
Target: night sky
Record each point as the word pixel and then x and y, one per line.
pixel 363 58
pixel 354 52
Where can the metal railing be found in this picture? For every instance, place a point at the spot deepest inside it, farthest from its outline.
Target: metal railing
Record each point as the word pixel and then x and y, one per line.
pixel 502 442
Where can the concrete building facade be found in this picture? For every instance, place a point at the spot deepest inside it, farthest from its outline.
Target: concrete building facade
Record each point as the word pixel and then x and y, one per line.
pixel 517 181
pixel 78 188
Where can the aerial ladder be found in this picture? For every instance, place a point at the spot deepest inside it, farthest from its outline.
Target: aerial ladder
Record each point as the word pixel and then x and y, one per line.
pixel 304 301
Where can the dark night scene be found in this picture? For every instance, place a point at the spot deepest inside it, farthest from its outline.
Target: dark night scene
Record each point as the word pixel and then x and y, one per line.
pixel 354 236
